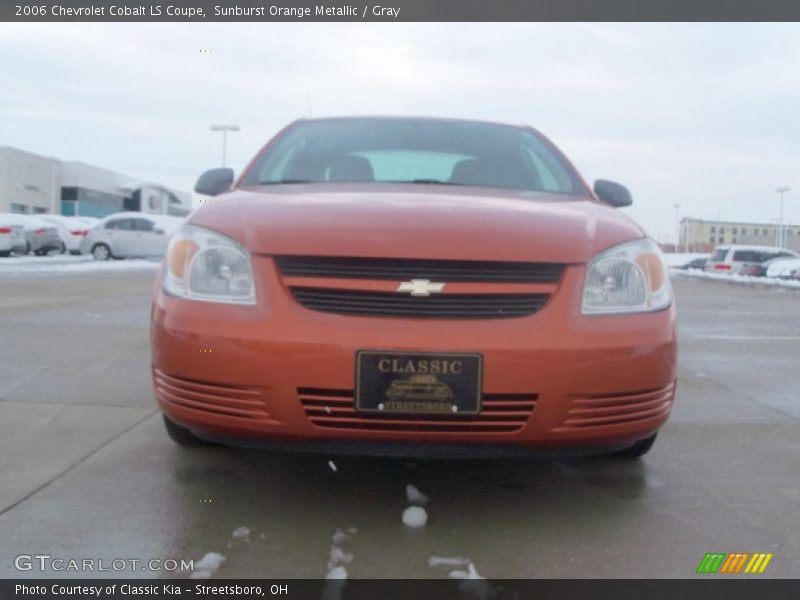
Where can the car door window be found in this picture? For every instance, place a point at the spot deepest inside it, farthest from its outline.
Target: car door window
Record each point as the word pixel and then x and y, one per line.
pixel 143 225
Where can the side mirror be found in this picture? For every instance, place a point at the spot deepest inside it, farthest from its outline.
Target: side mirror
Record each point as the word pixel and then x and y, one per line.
pixel 158 230
pixel 612 193
pixel 214 181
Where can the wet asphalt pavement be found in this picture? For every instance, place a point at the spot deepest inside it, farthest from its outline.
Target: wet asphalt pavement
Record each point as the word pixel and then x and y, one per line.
pixel 87 471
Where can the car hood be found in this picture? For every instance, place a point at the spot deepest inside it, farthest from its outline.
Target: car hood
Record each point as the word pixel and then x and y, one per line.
pixel 416 221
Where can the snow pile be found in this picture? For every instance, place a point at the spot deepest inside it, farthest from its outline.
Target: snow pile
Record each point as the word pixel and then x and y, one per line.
pixel 207 566
pixel 739 279
pixel 241 533
pixel 415 516
pixel 414 496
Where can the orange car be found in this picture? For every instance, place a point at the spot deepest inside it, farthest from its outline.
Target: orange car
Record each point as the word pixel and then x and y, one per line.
pixel 410 286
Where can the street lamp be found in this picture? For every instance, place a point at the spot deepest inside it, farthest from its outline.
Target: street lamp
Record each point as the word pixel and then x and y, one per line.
pixel 781 190
pixel 677 227
pixel 224 129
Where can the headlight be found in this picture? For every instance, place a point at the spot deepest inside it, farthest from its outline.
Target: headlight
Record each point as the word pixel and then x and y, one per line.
pixel 205 265
pixel 628 278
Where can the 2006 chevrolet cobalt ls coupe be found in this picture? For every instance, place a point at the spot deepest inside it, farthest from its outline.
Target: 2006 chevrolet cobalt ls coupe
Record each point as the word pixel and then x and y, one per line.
pixel 413 287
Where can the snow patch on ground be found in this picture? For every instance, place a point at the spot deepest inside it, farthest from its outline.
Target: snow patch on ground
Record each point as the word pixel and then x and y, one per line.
pixel 414 496
pixel 415 516
pixel 338 556
pixel 241 533
pixel 207 566
pixel 68 264
pixel 447 561
pixel 337 573
pixel 470 573
pixel 738 279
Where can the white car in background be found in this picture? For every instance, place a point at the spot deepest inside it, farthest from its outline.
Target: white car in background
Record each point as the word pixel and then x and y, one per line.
pixel 130 235
pixel 12 236
pixel 785 268
pixel 41 236
pixel 744 260
pixel 71 229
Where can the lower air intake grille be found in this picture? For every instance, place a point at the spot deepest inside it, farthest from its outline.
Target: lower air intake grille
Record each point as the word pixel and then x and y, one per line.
pixel 335 409
pixel 447 306
pixel 229 401
pixel 618 409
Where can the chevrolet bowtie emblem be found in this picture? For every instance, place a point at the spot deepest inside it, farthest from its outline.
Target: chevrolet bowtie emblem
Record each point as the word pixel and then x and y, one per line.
pixel 421 287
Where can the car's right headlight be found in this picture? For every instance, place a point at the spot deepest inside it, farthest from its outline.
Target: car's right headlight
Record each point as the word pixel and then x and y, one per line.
pixel 628 278
pixel 202 264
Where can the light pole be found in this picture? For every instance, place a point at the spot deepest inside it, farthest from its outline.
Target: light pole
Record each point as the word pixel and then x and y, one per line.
pixel 677 227
pixel 224 129
pixel 781 241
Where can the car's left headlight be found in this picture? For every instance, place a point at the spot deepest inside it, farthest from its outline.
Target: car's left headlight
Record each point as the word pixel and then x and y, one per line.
pixel 628 278
pixel 202 264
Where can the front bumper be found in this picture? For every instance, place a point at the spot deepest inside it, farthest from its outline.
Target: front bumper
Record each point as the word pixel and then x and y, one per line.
pixel 280 374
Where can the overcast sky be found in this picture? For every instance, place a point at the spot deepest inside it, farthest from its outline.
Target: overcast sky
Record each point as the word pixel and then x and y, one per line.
pixel 707 116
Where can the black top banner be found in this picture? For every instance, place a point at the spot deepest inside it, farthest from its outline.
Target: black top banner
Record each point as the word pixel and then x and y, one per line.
pixel 400 10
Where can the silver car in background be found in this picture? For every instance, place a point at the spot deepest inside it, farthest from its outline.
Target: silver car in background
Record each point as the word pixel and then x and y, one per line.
pixel 71 229
pixel 130 235
pixel 41 236
pixel 12 236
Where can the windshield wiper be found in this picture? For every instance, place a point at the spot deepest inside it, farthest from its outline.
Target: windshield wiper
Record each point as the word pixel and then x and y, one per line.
pixel 423 181
pixel 284 181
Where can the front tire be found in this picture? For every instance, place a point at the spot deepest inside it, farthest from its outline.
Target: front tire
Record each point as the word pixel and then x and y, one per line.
pixel 639 449
pixel 101 252
pixel 181 435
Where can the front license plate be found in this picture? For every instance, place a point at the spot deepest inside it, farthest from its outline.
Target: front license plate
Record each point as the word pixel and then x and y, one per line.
pixel 418 382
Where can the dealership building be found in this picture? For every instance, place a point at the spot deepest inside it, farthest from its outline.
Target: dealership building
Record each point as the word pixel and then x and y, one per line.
pixel 33 184
pixel 697 235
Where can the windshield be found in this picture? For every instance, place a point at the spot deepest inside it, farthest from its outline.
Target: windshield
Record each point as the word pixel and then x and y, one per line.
pixel 414 151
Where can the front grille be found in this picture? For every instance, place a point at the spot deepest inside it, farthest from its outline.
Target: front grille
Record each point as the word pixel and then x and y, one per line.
pixel 389 304
pixel 229 401
pixel 618 409
pixel 335 409
pixel 405 269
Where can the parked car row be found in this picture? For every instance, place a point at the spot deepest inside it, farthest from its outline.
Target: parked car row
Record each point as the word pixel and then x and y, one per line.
pixel 23 234
pixel 754 261
pixel 746 260
pixel 121 235
pixel 71 230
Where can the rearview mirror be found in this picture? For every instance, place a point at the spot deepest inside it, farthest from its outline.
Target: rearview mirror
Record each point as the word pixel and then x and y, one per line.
pixel 214 181
pixel 612 193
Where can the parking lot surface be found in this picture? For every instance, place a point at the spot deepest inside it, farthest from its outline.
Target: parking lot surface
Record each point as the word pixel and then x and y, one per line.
pixel 88 472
